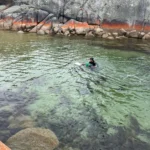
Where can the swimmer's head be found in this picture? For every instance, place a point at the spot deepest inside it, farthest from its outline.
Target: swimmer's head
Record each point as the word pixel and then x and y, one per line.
pixel 91 59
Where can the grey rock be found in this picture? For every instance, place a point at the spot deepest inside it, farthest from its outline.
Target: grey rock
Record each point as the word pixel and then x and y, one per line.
pixel 41 32
pixel 133 34
pixel 81 31
pixel 2 7
pixel 122 12
pixel 12 9
pixel 122 32
pixel 56 29
pixel 105 35
pixel 110 38
pixel 141 35
pixel 98 31
pixel 121 37
pixel 67 33
pixel 115 34
pixel 47 31
pixel 90 34
pixel 20 32
pixel 92 10
pixel 146 37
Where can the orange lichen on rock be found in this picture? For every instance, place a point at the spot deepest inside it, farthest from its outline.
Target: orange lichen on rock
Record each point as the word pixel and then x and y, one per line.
pixel 37 27
pixel 3 146
pixel 46 26
pixel 115 26
pixel 75 24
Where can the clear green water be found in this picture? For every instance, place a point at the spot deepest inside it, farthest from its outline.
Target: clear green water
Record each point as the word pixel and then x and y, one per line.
pixel 40 86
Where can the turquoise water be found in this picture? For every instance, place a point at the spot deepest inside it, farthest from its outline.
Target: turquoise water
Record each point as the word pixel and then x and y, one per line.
pixel 107 107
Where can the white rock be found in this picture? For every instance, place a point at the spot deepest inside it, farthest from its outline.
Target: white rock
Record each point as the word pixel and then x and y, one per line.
pixel 20 32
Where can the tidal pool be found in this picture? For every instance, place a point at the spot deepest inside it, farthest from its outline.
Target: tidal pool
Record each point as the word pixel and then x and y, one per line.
pixel 106 108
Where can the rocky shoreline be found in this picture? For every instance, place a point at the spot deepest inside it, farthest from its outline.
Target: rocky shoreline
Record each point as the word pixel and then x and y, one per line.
pixel 27 18
pixel 75 28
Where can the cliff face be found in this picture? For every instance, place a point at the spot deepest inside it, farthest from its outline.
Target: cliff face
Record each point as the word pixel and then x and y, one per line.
pixel 111 14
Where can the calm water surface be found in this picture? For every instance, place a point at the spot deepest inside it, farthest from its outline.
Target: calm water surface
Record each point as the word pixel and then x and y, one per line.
pixel 106 108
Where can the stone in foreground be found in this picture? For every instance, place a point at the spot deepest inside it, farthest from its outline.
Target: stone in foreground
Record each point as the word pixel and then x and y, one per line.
pixel 3 146
pixel 33 139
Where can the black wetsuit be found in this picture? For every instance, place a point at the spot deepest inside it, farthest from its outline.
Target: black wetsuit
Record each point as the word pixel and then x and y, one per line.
pixel 92 63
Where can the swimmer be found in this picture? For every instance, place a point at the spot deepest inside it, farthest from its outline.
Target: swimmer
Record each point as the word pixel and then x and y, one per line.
pixel 91 63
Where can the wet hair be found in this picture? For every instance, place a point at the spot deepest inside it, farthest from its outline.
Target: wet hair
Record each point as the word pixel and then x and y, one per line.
pixel 92 58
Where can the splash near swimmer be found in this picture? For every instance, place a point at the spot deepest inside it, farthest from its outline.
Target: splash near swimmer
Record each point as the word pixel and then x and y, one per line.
pixel 91 63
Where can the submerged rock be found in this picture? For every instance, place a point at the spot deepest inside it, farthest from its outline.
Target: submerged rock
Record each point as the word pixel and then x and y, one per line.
pixel 21 121
pixel 33 139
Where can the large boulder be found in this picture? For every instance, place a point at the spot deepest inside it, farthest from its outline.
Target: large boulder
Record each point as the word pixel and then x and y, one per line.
pixel 112 14
pixel 105 35
pixel 115 34
pixel 33 139
pixel 21 121
pixel 67 33
pixel 110 38
pixel 146 37
pixel 141 35
pixel 89 34
pixel 40 32
pixel 81 31
pixel 122 32
pixel 133 34
pixel 98 31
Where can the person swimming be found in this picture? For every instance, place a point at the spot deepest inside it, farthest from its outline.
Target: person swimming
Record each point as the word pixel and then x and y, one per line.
pixel 91 63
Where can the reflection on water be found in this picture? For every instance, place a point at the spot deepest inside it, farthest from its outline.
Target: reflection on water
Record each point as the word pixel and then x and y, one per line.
pixel 106 107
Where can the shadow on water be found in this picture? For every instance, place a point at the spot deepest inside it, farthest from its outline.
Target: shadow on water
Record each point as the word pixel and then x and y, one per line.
pixel 13 104
pixel 126 44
